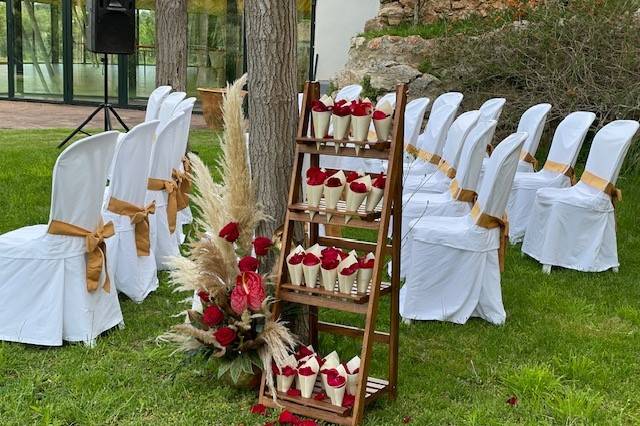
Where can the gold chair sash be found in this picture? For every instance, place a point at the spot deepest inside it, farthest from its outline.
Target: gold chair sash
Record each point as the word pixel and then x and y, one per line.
pixel 412 150
pixel 429 157
pixel 169 187
pixel 486 221
pixel 461 194
pixel 139 218
pixel 603 185
pixel 564 169
pixel 183 188
pixel 96 250
pixel 528 158
pixel 447 169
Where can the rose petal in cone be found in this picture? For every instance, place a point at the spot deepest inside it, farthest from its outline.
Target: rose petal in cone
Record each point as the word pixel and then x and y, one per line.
pixel 311 275
pixel 320 123
pixel 383 127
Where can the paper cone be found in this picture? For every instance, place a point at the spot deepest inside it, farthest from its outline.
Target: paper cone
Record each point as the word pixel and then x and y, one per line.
pixel 295 271
pixel 354 200
pixel 340 126
pixel 352 379
pixel 308 382
pixel 311 275
pixel 314 194
pixel 364 278
pixel 315 249
pixel 329 277
pixel 373 198
pixel 345 282
pixel 330 361
pixel 331 198
pixel 337 395
pixel 360 127
pixel 320 124
pixel 283 383
pixel 383 127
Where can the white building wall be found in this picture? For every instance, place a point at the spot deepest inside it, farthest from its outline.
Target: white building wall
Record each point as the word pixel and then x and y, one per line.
pixel 337 21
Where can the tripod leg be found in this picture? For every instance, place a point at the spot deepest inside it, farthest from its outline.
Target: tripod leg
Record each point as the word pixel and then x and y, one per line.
pixel 107 119
pixel 112 109
pixel 79 128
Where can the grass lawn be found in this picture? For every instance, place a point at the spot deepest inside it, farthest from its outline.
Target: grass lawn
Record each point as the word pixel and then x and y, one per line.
pixel 568 352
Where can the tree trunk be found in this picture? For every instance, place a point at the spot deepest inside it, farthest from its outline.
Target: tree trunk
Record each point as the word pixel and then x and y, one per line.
pixel 271 64
pixel 171 43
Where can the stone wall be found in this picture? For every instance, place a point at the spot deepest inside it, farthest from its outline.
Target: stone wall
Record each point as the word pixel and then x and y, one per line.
pixel 394 12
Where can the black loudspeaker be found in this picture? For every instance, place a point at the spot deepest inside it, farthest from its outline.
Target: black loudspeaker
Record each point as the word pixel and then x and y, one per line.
pixel 111 26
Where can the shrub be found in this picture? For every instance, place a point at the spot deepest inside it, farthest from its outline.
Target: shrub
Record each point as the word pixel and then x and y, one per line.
pixel 583 55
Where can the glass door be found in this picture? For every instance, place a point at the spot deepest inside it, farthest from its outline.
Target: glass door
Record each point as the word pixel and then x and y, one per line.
pixel 4 55
pixel 141 68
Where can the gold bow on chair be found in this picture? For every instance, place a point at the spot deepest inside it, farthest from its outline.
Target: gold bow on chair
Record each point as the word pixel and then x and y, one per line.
pixel 564 169
pixel 528 158
pixel 487 221
pixel 429 157
pixel 139 218
pixel 603 185
pixel 183 188
pixel 461 194
pixel 447 169
pixel 412 150
pixel 96 250
pixel 169 187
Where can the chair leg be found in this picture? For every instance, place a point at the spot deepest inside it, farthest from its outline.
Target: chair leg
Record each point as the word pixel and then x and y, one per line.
pixel 546 269
pixel 615 269
pixel 121 325
pixel 91 343
pixel 406 321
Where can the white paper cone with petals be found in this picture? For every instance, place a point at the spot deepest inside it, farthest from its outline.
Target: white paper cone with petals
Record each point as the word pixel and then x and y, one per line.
pixel 364 275
pixel 295 271
pixel 329 277
pixel 355 199
pixel 308 382
pixel 373 198
pixel 352 378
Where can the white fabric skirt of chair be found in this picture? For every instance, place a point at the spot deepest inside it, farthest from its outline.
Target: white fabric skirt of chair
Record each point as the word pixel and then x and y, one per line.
pixel 556 233
pixel 522 197
pixel 135 276
pixel 185 217
pixel 54 304
pixel 434 183
pixel 436 290
pixel 163 243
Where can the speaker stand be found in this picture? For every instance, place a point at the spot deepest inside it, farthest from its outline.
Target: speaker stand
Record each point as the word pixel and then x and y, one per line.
pixel 104 106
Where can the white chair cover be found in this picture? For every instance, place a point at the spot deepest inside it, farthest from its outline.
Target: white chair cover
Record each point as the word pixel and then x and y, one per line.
pixel 439 181
pixel 184 216
pixel 349 93
pixel 133 275
pixel 163 243
pixel 455 272
pixel 566 144
pixel 155 100
pixel 43 288
pixel 575 227
pixel 443 111
pixel 420 205
pixel 532 121
pixel 491 109
pixel 168 106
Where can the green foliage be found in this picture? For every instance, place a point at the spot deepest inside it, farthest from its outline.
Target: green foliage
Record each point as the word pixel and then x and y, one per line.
pixel 584 55
pixel 238 365
pixel 368 91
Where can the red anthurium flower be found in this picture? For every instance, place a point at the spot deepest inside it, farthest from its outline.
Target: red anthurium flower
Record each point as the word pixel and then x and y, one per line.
pixel 348 400
pixel 293 392
pixel 248 292
pixel 259 409
pixel 248 263
pixel 204 296
pixel 212 315
pixel 513 401
pixel 310 259
pixel 336 381
pixel 379 181
pixel 333 182
pixel 230 232
pixel 296 258
pixel 305 371
pixel 379 115
pixel 351 176
pixel 364 263
pixel 225 335
pixel 287 418
pixel 318 106
pixel 320 396
pixel 261 245
pixel 358 187
pixel 349 270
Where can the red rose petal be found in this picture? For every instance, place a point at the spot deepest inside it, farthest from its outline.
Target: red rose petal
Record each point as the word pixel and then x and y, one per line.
pixel 294 392
pixel 406 419
pixel 303 351
pixel 288 418
pixel 289 371
pixel 351 176
pixel 348 400
pixel 333 182
pixel 358 187
pixel 379 115
pixel 350 270
pixel 296 258
pixel 320 396
pixel 513 401
pixel 307 422
pixel 259 409
pixel 380 181
pixel 310 259
pixel 336 381
pixel 306 371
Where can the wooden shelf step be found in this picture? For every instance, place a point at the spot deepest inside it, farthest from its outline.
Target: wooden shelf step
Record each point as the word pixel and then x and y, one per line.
pixel 324 410
pixel 337 220
pixel 340 210
pixel 354 302
pixel 346 330
pixel 349 244
pixel 309 147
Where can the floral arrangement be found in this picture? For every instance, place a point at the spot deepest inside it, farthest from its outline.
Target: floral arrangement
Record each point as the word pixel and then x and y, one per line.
pixel 230 318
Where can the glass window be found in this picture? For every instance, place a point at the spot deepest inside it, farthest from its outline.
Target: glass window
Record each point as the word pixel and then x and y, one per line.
pixel 88 69
pixel 38 49
pixel 142 64
pixel 304 41
pixel 4 68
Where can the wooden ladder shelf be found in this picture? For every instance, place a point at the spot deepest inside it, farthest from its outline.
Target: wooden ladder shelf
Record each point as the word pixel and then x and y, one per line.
pixel 369 388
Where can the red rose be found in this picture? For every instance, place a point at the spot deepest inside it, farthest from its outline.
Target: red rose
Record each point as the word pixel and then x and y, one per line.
pixel 204 296
pixel 248 264
pixel 261 245
pixel 287 418
pixel 364 263
pixel 310 259
pixel 333 182
pixel 248 292
pixel 225 336
pixel 351 176
pixel 380 181
pixel 296 258
pixel 348 400
pixel 230 232
pixel 212 316
pixel 336 381
pixel 358 187
pixel 305 371
pixel 379 115
pixel 349 270
pixel 259 409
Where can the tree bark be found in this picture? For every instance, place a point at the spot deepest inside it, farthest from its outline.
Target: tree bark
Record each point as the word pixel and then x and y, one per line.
pixel 171 43
pixel 271 65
